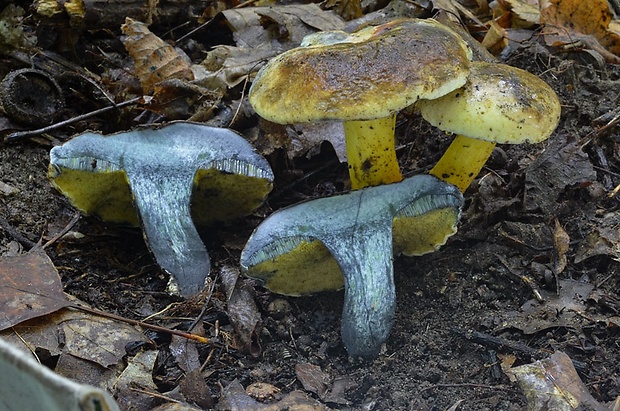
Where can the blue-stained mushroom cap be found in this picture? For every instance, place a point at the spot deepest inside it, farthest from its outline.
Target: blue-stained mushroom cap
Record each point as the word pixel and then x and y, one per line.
pixel 165 179
pixel 349 241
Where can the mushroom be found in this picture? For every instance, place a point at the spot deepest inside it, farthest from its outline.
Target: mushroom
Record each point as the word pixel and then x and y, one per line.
pixel 348 240
pixel 170 174
pixel 498 104
pixel 363 78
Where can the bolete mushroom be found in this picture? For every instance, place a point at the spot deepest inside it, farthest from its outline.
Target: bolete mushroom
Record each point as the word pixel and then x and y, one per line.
pixel 498 104
pixel 348 240
pixel 363 78
pixel 161 178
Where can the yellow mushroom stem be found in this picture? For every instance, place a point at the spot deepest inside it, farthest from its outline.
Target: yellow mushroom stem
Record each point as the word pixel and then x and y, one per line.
pixel 371 153
pixel 462 161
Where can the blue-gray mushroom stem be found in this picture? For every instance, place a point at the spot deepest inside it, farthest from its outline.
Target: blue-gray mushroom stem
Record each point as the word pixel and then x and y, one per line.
pixel 369 292
pixel 163 205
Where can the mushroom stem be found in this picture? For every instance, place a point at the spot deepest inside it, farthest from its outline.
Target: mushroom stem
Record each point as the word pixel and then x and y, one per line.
pixel 370 152
pixel 369 291
pixel 462 161
pixel 163 205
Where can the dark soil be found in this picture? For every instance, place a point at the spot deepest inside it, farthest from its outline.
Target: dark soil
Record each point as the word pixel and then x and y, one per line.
pixel 433 358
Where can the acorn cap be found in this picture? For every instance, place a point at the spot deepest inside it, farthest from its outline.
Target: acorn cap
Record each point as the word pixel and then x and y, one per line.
pixel 165 179
pixel 365 75
pixel 499 104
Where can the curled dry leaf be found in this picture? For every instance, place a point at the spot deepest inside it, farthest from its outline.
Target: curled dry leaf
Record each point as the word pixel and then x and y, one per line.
pixel 154 59
pixel 582 24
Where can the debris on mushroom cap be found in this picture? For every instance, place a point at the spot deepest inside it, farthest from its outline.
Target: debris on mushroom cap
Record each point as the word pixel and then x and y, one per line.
pixel 499 103
pixel 365 75
pixel 161 177
pixel 347 240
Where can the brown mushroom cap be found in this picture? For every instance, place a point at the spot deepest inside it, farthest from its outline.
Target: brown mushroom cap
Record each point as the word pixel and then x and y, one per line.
pixel 368 74
pixel 499 104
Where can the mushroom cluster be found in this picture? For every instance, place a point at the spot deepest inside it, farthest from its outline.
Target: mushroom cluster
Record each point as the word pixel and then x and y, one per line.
pixel 172 178
pixel 362 78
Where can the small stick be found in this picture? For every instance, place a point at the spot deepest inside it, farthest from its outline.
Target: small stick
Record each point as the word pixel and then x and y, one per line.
pixel 183 334
pixel 31 133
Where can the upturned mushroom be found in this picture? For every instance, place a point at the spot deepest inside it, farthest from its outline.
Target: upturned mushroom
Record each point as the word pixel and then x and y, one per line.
pixel 363 78
pixel 498 104
pixel 348 241
pixel 160 178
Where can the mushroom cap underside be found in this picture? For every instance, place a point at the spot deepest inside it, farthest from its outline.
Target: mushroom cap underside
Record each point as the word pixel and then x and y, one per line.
pixel 229 182
pixel 300 263
pixel 365 75
pixel 499 103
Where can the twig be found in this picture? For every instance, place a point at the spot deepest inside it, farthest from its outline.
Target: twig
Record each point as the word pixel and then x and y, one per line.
pixel 64 231
pixel 178 333
pixel 206 305
pixel 31 133
pixel 10 230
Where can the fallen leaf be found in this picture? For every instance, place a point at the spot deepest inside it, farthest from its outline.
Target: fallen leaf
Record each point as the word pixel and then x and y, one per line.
pixel 553 384
pixel 234 398
pixel 29 287
pixel 195 390
pixel 93 338
pixel 558 310
pixel 526 11
pixel 604 239
pixel 154 59
pixel 229 66
pixel 312 378
pixel 261 33
pixel 241 310
pixel 561 242
pixel 138 374
pixel 88 372
pixel 570 22
pixel 306 139
pixel 562 164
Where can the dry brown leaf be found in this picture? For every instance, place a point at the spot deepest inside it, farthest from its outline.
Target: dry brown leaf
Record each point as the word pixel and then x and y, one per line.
pixel 87 336
pixel 562 164
pixel 569 302
pixel 553 384
pixel 138 373
pixel 241 310
pixel 604 239
pixel 526 12
pixel 561 242
pixel 29 287
pixel 234 398
pixel 154 59
pixel 495 39
pixel 261 33
pixel 582 24
pixel 312 378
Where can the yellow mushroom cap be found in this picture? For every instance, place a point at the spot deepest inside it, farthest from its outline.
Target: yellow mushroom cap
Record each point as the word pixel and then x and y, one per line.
pixel 499 104
pixel 365 75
